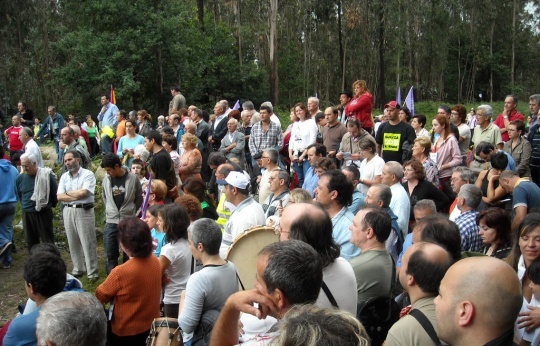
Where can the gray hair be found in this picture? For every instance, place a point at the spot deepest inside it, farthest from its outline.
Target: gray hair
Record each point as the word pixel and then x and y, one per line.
pixel 224 103
pixel 221 105
pixel 426 204
pixel 313 99
pixel 76 129
pixel 471 194
pixel 31 157
pixel 233 121
pixel 142 152
pixel 72 318
pixel 283 174
pixel 311 325
pixel 27 131
pixel 268 104
pixel 384 194
pixel 52 108
pixel 206 232
pixel 272 154
pixel 395 169
pixel 248 105
pixel 466 174
pixel 488 110
pixel 535 97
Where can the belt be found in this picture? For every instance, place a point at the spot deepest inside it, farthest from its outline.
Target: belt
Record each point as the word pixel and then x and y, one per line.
pixel 481 161
pixel 86 206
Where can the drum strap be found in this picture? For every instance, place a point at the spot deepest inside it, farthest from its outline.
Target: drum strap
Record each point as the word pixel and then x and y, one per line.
pixel 240 281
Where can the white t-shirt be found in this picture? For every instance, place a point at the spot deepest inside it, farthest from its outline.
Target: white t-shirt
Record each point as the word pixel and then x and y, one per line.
pixel 368 171
pixel 179 255
pixel 340 279
pixel 303 134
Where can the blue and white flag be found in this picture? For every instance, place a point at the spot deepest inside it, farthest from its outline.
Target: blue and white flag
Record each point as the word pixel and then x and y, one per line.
pixel 409 101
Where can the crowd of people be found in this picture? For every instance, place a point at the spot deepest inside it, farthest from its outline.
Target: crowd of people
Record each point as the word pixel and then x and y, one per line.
pixel 443 225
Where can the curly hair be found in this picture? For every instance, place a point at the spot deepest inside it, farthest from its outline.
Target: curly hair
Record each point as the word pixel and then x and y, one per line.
pixel 192 205
pixel 417 167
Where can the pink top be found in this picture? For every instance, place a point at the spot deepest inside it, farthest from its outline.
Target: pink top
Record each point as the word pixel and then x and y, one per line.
pixel 447 154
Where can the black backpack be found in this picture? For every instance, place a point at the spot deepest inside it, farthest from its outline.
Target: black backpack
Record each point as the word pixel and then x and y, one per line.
pixel 379 314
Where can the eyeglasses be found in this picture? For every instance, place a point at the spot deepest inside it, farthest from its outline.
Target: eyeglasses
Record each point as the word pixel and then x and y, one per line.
pixel 265 157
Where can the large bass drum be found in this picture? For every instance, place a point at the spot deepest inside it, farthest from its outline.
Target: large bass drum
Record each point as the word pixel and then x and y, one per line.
pixel 243 252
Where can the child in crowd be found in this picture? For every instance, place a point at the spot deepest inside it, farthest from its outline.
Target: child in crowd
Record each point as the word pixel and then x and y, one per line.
pixel 137 168
pixel 158 237
pixel 532 337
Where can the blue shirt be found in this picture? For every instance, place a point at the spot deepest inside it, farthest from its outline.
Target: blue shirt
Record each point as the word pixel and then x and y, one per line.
pixel 109 117
pixel 158 241
pixel 406 244
pixel 9 175
pixel 22 330
pixel 358 200
pixel 468 229
pixel 511 162
pixel 310 181
pixel 342 234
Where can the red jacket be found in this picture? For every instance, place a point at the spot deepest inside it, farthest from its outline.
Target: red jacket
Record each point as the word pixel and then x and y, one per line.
pixel 360 108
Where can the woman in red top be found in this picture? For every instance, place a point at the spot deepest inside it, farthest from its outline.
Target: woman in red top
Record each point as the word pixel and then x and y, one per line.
pixel 361 105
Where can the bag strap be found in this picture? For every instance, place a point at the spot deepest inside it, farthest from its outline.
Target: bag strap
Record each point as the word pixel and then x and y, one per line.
pixel 329 295
pixel 393 283
pixel 426 324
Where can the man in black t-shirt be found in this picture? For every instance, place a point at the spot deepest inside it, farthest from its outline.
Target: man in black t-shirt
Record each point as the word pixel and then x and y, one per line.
pixel 394 136
pixel 122 196
pixel 160 164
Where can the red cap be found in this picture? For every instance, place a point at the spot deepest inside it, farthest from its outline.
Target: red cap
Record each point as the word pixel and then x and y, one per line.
pixel 392 104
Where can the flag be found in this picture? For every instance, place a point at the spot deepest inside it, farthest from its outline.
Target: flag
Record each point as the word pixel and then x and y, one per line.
pixel 236 105
pixel 409 101
pixel 113 96
pixel 398 96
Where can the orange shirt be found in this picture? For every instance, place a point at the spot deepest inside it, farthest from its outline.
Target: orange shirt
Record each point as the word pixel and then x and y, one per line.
pixel 121 129
pixel 135 288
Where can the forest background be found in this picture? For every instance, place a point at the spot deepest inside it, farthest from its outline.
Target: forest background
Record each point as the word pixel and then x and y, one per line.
pixel 68 52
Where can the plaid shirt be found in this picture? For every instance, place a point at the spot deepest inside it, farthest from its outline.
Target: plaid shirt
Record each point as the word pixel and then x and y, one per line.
pixel 470 237
pixel 260 140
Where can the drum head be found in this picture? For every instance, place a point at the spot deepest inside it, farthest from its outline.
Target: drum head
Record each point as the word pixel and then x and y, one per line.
pixel 243 252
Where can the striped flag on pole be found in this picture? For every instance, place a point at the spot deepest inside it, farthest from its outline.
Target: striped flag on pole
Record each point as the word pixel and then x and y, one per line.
pixel 113 95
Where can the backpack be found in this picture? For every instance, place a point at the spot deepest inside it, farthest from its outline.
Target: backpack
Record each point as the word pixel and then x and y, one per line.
pixel 378 314
pixel 85 157
pixel 201 336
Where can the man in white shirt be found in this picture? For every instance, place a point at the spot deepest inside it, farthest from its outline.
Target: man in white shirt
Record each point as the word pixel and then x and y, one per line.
pixel 26 135
pixel 391 176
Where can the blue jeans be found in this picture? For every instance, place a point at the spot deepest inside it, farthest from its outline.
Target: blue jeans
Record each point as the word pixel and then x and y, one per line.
pixel 301 169
pixel 7 214
pixel 106 144
pixel 110 238
pixel 59 152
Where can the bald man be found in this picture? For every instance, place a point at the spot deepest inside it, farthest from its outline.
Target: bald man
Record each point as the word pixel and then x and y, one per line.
pixel 423 267
pixel 478 303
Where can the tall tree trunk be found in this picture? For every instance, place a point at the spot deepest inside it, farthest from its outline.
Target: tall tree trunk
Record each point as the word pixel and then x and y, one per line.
pixel 512 67
pixel 381 97
pixel 200 13
pixel 491 37
pixel 341 50
pixel 239 32
pixel 274 80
